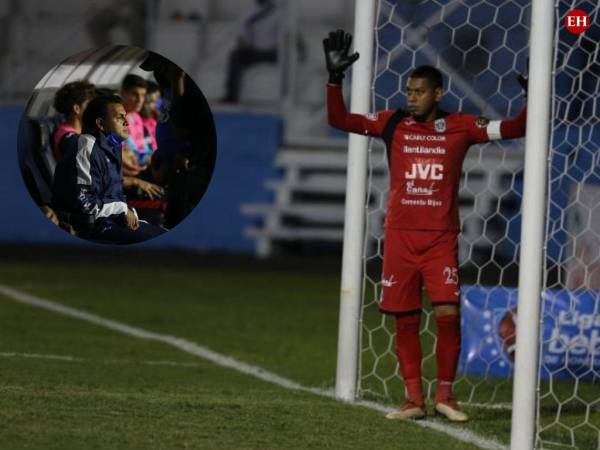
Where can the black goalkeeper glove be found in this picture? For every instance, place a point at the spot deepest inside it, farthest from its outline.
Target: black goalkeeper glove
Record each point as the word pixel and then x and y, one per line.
pixel 336 47
pixel 523 82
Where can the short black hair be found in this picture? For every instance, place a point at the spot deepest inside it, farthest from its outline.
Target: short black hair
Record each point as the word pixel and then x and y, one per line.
pixel 153 61
pixel 152 87
pixel 98 107
pixel 71 94
pixel 133 81
pixel 431 74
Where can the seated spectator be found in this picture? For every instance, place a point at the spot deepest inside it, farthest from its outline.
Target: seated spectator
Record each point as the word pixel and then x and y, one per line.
pixel 145 196
pixel 88 182
pixel 68 98
pixel 71 101
pixel 133 92
pixel 151 110
pixel 257 43
pixel 33 187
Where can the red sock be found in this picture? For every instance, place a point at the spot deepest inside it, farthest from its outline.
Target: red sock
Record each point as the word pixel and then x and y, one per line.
pixel 447 352
pixel 408 350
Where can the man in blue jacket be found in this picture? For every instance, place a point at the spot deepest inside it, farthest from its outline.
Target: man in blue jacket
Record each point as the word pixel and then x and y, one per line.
pixel 88 182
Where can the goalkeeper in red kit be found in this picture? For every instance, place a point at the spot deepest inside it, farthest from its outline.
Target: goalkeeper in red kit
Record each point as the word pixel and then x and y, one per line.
pixel 426 148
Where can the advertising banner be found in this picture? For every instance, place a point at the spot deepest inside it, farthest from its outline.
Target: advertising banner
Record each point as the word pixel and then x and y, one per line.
pixel 571 332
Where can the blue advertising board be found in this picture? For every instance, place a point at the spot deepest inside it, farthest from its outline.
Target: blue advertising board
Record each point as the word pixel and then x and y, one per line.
pixel 571 332
pixel 247 147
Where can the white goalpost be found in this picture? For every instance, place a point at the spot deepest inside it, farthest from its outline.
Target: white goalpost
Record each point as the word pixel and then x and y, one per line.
pixel 529 246
pixel 532 229
pixel 354 219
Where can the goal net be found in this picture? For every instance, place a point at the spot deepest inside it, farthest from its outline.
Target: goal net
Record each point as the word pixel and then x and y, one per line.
pixel 569 383
pixel 481 46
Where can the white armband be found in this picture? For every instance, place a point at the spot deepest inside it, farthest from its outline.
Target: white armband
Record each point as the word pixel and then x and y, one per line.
pixel 493 130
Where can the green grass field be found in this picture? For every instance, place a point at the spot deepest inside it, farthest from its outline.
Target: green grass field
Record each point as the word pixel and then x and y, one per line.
pixel 66 383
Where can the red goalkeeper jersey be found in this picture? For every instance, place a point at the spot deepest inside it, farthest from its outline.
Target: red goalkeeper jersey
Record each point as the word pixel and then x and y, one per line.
pixel 425 158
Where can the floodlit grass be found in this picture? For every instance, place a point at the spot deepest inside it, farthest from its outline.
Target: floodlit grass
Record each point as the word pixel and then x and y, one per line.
pixel 114 395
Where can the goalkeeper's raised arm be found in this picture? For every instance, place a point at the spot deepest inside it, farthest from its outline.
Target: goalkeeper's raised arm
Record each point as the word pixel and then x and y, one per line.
pixel 422 100
pixel 337 48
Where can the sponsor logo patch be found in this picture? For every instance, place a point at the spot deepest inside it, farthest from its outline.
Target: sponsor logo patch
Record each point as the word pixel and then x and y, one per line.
pixel 411 189
pixel 420 171
pixel 372 117
pixel 440 125
pixel 420 137
pixel 389 282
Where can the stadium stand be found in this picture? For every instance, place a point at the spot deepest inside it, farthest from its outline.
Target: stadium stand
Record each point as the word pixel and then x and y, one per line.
pixel 181 10
pixel 166 37
pixel 38 39
pixel 294 89
pixel 309 199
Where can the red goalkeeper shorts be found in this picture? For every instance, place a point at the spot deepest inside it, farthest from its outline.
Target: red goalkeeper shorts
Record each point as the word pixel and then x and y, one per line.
pixel 414 259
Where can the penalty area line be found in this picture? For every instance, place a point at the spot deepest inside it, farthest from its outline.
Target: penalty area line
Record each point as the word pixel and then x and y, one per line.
pixel 69 358
pixel 231 363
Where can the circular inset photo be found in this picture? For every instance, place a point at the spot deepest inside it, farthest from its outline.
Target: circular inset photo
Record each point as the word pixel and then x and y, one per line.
pixel 117 145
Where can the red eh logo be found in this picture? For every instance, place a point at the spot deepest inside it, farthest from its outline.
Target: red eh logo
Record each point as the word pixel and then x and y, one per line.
pixel 577 21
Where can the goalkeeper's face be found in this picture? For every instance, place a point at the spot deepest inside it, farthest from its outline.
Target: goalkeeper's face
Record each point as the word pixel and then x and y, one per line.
pixel 422 98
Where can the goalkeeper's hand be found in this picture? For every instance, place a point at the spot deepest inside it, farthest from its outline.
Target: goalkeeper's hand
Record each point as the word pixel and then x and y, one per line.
pixel 523 82
pixel 336 47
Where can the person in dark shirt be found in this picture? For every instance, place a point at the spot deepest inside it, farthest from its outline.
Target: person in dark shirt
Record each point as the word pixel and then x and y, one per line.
pixel 257 43
pixel 186 139
pixel 88 180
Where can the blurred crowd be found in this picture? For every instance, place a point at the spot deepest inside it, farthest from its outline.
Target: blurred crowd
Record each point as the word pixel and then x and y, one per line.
pixel 257 39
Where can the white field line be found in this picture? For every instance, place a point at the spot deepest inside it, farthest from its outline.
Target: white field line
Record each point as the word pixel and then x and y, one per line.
pixel 226 361
pixel 504 406
pixel 69 358
pixel 39 356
